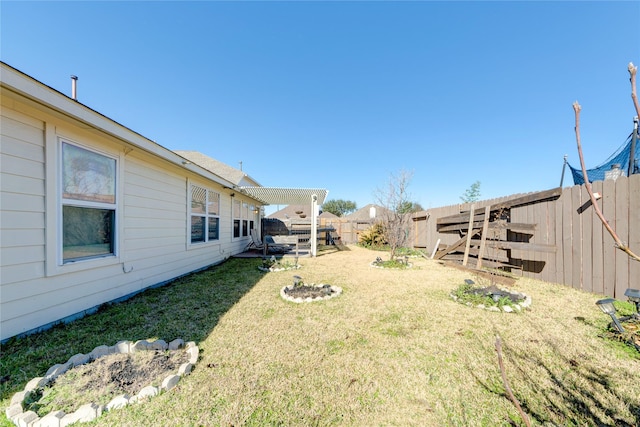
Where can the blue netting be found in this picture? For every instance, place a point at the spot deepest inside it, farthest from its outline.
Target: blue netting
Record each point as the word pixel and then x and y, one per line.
pixel 620 157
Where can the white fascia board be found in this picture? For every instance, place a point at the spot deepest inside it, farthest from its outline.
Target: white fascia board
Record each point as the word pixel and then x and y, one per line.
pixel 45 96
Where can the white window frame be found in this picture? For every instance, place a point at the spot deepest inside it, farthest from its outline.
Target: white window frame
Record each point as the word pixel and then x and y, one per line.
pixel 245 213
pixel 236 215
pixel 208 213
pixel 55 264
pixel 245 220
pixel 253 214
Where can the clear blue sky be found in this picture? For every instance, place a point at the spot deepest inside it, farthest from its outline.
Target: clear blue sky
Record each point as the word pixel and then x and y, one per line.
pixel 339 95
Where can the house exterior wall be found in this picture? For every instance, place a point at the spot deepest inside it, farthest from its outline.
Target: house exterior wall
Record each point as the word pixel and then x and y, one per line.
pixel 152 220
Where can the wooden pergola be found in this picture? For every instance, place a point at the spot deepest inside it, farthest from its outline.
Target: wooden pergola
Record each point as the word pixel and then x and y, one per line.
pixel 292 196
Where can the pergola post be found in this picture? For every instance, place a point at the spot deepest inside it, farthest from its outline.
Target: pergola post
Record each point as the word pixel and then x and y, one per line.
pixel 314 224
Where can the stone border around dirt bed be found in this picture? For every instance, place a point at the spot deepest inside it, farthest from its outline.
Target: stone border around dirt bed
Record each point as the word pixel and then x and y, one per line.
pixel 337 290
pixel 374 265
pixel 91 411
pixel 510 308
pixel 272 269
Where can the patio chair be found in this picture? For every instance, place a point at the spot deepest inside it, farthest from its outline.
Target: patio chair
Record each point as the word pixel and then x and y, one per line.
pixel 255 243
pixel 269 245
pixel 275 247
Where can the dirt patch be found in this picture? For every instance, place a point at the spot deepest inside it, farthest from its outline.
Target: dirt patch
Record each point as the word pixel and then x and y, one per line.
pixel 107 377
pixel 129 373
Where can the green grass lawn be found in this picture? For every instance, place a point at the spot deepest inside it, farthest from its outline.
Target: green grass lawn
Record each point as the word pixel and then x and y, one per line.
pixel 392 349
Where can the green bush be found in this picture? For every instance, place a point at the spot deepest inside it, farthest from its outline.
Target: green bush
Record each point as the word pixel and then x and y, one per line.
pixel 372 237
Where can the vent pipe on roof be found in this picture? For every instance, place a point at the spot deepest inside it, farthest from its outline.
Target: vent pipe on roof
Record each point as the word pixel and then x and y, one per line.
pixel 74 88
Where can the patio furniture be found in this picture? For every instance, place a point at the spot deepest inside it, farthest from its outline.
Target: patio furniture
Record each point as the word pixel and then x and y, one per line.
pixel 255 242
pixel 279 244
pixel 270 245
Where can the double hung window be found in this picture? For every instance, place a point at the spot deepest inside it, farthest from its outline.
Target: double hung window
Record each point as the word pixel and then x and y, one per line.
pixel 243 218
pixel 205 215
pixel 88 199
pixel 237 218
pixel 252 214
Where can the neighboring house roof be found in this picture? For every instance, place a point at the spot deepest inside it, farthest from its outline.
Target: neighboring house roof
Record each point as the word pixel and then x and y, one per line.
pixel 365 213
pixel 236 176
pixel 297 212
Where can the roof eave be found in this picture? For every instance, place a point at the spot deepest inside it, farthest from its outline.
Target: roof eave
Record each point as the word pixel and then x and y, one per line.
pixel 42 96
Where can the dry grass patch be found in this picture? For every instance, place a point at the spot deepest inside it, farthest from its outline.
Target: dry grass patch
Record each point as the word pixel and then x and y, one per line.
pixel 392 349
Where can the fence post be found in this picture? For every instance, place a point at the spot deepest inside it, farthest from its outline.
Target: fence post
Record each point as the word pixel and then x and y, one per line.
pixel 483 238
pixel 469 234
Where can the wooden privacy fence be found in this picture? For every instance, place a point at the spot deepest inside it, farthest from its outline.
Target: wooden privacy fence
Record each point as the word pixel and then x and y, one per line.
pixel 327 233
pixel 552 235
pixel 330 230
pixel 348 229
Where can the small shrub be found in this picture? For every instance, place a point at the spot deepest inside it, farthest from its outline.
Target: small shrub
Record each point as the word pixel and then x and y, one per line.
pixel 372 236
pixel 409 252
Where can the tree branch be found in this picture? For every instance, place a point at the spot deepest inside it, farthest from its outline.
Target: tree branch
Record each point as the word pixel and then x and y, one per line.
pixel 632 72
pixel 524 416
pixel 619 244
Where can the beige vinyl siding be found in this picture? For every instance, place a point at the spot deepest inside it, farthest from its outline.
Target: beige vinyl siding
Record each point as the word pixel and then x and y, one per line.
pixel 56 298
pixel 22 193
pixel 22 217
pixel 28 169
pixel 153 242
pixel 15 273
pixel 155 221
